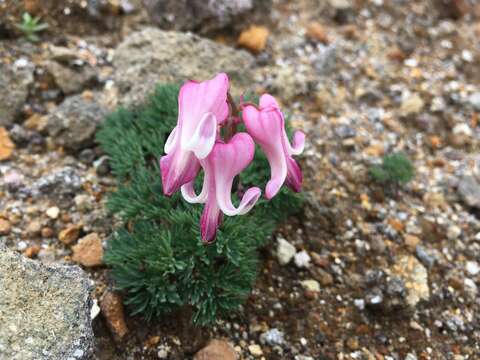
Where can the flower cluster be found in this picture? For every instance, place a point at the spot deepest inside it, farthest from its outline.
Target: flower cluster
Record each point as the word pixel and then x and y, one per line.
pixel 206 138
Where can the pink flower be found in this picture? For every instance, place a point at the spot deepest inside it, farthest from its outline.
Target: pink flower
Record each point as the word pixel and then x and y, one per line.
pixel 267 127
pixel 222 165
pixel 202 106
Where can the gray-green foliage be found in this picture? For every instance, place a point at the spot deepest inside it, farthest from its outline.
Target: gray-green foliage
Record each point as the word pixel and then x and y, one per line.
pixel 158 258
pixel 395 169
pixel 31 26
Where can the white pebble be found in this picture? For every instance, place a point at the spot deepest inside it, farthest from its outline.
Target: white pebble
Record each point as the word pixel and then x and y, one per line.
pixel 285 251
pixel 472 268
pixel 302 259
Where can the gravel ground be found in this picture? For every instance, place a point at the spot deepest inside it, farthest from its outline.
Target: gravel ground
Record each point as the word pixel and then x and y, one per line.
pixel 366 272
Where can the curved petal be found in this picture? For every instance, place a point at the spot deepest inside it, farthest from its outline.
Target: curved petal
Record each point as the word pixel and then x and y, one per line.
pixel 188 192
pixel 298 144
pixel 227 161
pixel 267 100
pixel 171 140
pixel 266 127
pixel 178 168
pixel 203 138
pixel 198 98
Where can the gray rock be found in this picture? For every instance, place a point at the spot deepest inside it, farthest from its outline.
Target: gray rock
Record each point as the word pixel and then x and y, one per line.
pixel 73 123
pixel 272 337
pixel 16 80
pixel 196 14
pixel 474 100
pixel 71 79
pixel 60 185
pixel 44 311
pixel 424 256
pixel 469 189
pixel 153 56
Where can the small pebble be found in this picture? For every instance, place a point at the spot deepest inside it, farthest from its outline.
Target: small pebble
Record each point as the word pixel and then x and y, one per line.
pixel 5 227
pixel 311 285
pixel 53 212
pixel 285 251
pixel 302 259
pixel 472 267
pixel 255 350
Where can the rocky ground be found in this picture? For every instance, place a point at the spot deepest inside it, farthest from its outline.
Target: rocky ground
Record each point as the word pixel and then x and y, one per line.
pixel 364 273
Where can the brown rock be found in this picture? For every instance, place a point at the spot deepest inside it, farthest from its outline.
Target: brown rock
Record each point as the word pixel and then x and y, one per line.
pixel 352 343
pixel 89 251
pixel 47 232
pixel 320 260
pixel 323 277
pixel 32 251
pixel 5 227
pixel 216 350
pixel 254 38
pixel 112 309
pixel 411 242
pixel 34 228
pixel 316 31
pixel 6 145
pixel 69 235
pixel 32 6
pixel 36 122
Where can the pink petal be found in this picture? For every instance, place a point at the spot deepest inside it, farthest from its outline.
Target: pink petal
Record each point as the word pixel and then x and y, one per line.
pixel 227 161
pixel 211 215
pixel 298 143
pixel 202 140
pixel 210 221
pixel 198 98
pixel 266 127
pixel 171 140
pixel 294 175
pixel 267 100
pixel 188 192
pixel 178 168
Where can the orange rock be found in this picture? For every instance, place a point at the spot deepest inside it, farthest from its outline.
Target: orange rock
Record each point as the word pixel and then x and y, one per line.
pixel 254 38
pixel 375 150
pixel 435 141
pixel 411 241
pixel 216 350
pixel 32 6
pixel 112 309
pixel 69 235
pixel 5 227
pixel 32 251
pixel 397 225
pixel 316 31
pixel 6 145
pixel 89 251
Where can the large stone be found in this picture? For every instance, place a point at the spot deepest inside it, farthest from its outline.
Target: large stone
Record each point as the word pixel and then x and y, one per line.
pixel 153 56
pixel 196 14
pixel 44 311
pixel 74 122
pixel 15 80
